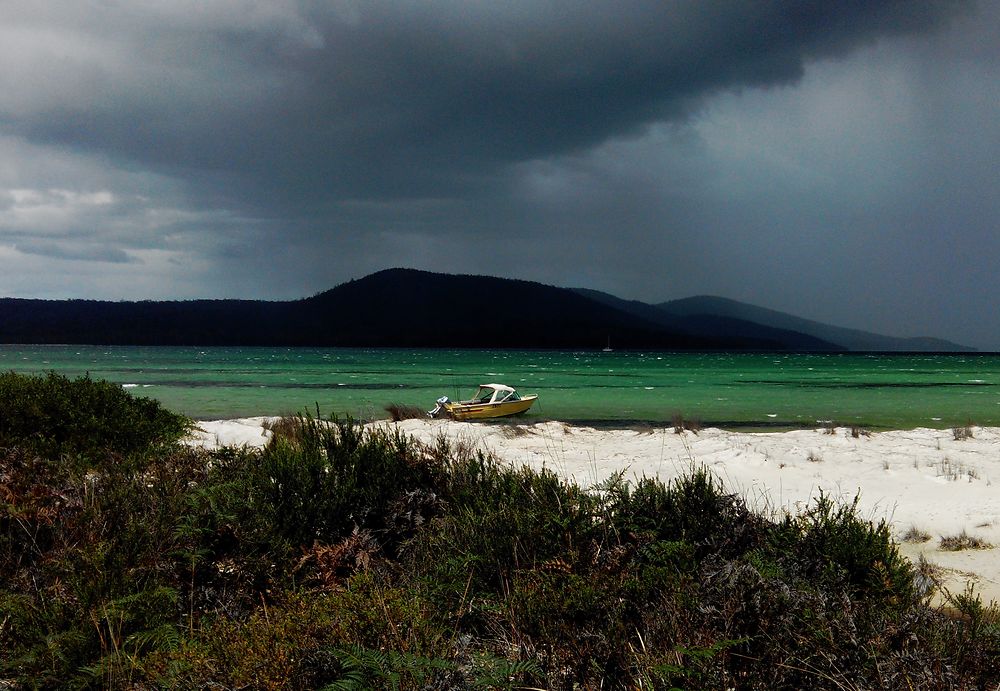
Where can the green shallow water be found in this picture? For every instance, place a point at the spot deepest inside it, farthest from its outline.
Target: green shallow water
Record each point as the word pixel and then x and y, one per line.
pixel 725 389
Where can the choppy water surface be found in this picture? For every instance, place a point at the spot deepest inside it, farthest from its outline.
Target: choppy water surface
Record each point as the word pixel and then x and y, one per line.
pixel 727 389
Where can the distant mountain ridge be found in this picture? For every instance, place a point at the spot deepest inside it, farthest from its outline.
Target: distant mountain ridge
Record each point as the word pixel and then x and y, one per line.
pixel 849 339
pixel 709 324
pixel 410 308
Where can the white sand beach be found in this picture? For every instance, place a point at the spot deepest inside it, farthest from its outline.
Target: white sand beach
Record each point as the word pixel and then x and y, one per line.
pixel 923 478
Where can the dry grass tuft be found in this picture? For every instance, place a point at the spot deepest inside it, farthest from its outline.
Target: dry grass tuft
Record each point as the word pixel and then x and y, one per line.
pixel 955 471
pixel 957 543
pixel 681 425
pixel 915 535
pixel 511 431
pixel 399 411
pixel 287 427
pixel 962 433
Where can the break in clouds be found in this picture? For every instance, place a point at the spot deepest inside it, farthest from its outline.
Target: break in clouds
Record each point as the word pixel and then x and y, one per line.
pixel 835 160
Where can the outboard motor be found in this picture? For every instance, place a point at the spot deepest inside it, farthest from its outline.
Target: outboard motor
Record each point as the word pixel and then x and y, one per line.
pixel 439 407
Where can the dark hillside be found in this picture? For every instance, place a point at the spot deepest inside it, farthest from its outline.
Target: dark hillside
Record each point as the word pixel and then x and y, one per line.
pixel 198 322
pixel 403 307
pixel 408 308
pixel 392 308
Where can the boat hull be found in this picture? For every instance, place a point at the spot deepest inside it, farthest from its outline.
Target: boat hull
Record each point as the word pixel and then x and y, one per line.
pixel 485 411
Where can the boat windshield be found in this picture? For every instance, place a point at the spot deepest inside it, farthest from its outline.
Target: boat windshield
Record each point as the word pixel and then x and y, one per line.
pixel 488 394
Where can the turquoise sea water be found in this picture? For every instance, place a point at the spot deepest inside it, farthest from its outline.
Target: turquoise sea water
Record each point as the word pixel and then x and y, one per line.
pixel 725 389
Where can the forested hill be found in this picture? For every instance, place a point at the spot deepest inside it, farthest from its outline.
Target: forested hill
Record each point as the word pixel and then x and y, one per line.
pixel 399 308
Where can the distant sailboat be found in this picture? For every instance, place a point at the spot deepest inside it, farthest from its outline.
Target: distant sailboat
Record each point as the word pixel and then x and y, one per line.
pixel 608 348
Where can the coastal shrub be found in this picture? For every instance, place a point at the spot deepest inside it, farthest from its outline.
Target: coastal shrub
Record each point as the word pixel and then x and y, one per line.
pixel 831 546
pixel 983 621
pixel 87 558
pixel 499 519
pixel 327 480
pixel 304 639
pixel 693 508
pixel 346 557
pixel 54 415
pixel 571 621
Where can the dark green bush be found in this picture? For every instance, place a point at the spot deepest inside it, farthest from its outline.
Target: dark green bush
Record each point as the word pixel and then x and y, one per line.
pixel 54 415
pixel 830 546
pixel 693 508
pixel 500 519
pixel 331 480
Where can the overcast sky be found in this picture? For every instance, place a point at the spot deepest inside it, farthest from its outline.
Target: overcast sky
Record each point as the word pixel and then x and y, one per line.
pixel 837 160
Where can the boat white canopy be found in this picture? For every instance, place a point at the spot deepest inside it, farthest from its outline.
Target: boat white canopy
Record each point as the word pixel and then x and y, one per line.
pixel 494 393
pixel 498 387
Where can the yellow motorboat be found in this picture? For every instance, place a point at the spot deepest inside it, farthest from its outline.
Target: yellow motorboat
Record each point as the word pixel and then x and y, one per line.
pixel 491 400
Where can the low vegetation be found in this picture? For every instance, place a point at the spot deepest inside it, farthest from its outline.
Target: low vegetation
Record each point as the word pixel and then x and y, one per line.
pixel 340 557
pixel 962 541
pixel 915 535
pixel 400 411
pixel 963 432
pixel 856 432
pixel 54 416
pixel 682 424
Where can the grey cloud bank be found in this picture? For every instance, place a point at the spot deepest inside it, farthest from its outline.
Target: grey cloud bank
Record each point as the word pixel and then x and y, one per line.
pixel 835 160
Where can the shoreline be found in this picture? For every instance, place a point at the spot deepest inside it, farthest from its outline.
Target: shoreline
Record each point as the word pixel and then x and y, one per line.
pixel 635 424
pixel 922 479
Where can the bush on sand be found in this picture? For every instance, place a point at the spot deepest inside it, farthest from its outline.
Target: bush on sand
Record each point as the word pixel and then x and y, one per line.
pixel 345 557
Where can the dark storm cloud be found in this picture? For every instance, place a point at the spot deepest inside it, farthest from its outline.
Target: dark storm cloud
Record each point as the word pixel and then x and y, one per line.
pixel 832 159
pixel 314 101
